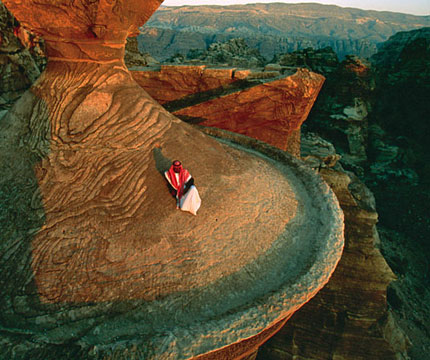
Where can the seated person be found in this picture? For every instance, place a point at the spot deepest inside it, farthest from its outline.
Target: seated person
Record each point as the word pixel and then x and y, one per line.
pixel 181 186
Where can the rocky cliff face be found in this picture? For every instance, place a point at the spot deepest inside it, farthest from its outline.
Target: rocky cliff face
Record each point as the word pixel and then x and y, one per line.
pixel 264 105
pixel 348 319
pixel 399 176
pixel 273 28
pixel 402 69
pixel 409 295
pixel 374 115
pixel 20 60
pixel 341 112
pixel 234 52
pixel 96 261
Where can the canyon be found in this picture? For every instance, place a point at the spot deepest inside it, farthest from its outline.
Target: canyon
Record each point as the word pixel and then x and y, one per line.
pixel 352 309
pixel 273 28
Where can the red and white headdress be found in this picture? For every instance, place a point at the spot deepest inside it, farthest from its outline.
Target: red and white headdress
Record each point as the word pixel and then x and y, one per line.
pixel 177 176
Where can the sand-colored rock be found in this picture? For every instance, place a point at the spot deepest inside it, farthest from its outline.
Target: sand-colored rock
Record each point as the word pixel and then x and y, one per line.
pixel 96 262
pixel 173 82
pixel 270 112
pixel 269 108
pixel 349 318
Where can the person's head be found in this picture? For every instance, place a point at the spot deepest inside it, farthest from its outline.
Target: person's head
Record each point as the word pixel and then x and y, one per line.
pixel 177 166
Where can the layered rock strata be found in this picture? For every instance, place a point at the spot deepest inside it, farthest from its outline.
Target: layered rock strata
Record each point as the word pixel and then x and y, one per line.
pixel 96 262
pixel 349 318
pixel 264 105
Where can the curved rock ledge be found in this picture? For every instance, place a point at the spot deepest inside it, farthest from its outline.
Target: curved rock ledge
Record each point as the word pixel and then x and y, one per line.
pixel 224 320
pixel 299 268
pixel 324 252
pixel 95 260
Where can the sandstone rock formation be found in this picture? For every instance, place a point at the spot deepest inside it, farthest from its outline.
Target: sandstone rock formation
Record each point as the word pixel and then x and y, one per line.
pixel 402 72
pixel 394 88
pixel 399 173
pixel 349 318
pixel 96 262
pixel 341 114
pixel 271 110
pixel 169 83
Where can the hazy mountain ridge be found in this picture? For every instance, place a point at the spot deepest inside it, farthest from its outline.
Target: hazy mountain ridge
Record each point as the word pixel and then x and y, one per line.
pixel 274 28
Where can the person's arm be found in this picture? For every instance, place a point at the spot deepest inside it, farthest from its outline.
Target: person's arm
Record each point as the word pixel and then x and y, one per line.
pixel 188 184
pixel 172 190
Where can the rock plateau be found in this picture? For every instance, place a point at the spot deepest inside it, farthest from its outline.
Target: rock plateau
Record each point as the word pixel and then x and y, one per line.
pixel 273 28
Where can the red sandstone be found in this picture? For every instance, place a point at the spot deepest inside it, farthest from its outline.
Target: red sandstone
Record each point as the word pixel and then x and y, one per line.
pixel 111 234
pixel 272 111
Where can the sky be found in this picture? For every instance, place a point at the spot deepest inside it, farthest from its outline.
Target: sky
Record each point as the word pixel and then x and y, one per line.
pixel 416 7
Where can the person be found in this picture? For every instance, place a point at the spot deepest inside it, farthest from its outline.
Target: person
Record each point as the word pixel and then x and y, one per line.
pixel 181 186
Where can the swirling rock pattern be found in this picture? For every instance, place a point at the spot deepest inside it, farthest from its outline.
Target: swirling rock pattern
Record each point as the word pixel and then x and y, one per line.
pixel 96 261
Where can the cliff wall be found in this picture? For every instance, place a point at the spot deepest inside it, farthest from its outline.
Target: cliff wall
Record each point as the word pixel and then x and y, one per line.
pixel 273 28
pixel 348 319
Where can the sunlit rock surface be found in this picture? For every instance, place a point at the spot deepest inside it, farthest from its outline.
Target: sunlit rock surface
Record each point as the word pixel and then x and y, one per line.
pixel 96 262
pixel 264 105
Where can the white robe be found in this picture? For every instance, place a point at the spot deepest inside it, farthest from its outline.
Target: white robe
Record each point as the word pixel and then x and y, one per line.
pixel 191 201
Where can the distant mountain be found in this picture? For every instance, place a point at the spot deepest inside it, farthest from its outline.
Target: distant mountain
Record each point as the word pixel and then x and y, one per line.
pixel 273 28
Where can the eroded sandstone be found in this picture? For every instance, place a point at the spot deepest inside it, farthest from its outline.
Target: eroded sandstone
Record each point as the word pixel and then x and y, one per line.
pixel 263 105
pixel 349 318
pixel 96 261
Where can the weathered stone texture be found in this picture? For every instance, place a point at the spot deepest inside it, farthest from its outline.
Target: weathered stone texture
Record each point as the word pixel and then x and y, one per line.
pixel 348 319
pixel 96 262
pixel 271 110
pixel 172 82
